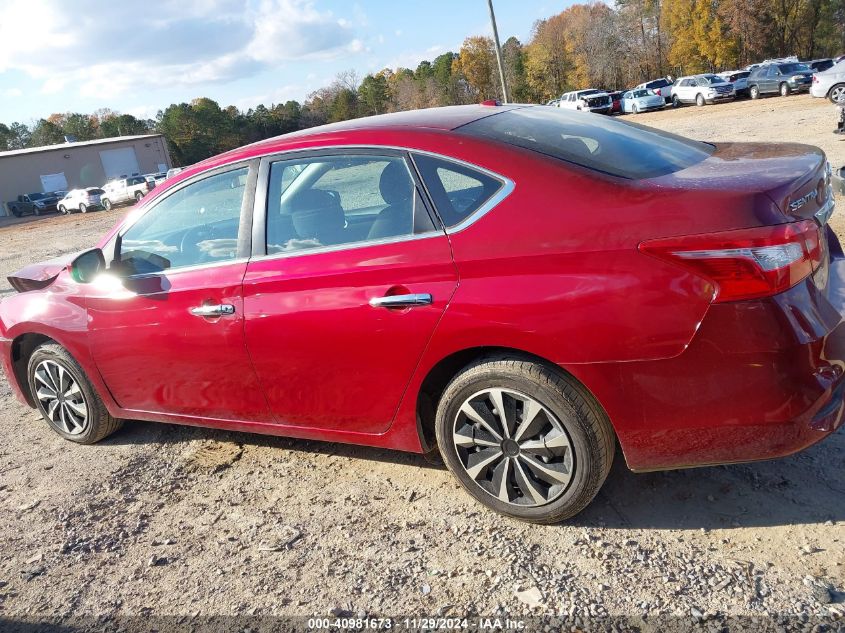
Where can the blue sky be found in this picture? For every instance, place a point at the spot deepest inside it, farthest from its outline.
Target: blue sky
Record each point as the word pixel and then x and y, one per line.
pixel 81 55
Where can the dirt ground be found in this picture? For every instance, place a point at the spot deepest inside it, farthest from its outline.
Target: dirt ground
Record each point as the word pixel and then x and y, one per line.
pixel 182 522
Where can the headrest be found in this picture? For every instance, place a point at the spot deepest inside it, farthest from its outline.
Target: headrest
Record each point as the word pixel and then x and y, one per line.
pixel 317 214
pixel 395 184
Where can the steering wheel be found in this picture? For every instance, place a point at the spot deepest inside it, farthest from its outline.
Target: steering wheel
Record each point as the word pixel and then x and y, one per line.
pixel 189 244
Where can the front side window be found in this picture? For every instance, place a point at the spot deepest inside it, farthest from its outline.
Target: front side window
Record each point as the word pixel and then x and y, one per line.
pixel 339 200
pixel 197 224
pixel 457 190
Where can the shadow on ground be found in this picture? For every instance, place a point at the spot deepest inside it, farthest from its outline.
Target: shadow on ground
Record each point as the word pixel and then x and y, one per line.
pixel 802 489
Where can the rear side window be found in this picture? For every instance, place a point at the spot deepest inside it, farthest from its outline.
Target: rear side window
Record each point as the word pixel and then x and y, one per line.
pixel 457 190
pixel 598 143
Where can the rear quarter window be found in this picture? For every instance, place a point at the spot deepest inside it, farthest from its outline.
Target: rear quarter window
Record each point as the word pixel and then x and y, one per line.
pixel 621 149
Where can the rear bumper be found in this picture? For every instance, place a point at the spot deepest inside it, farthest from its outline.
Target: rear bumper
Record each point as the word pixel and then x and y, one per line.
pixel 761 379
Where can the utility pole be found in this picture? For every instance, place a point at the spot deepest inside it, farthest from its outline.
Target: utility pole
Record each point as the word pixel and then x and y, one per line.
pixel 498 53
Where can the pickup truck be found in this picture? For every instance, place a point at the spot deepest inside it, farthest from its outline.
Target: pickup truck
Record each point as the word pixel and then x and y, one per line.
pixel 124 190
pixel 35 203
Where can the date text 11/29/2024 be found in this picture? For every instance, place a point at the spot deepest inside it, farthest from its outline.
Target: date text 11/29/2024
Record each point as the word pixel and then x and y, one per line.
pixel 416 624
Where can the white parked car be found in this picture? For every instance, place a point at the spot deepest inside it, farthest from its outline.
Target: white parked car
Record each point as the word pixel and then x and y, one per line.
pixel 830 83
pixel 590 100
pixel 641 100
pixel 701 89
pixel 125 190
pixel 661 87
pixel 81 200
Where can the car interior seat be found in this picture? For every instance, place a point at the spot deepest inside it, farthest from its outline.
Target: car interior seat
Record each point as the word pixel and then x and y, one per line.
pixel 397 190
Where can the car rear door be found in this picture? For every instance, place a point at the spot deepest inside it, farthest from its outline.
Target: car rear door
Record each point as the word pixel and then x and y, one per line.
pixel 349 277
pixel 166 332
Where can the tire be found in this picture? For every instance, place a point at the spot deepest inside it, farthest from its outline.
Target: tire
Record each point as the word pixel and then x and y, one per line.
pixel 51 363
pixel 676 103
pixel 784 90
pixel 754 92
pixel 138 196
pixel 83 208
pixel 62 210
pixel 107 204
pixel 36 211
pixel 635 109
pixel 566 414
pixel 699 100
pixel 837 94
pixel 16 213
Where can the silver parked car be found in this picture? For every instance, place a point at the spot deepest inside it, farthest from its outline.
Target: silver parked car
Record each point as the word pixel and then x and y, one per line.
pixel 739 79
pixel 830 83
pixel 642 100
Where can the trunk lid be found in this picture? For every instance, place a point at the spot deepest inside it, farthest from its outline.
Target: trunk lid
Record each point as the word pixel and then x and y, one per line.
pixel 796 178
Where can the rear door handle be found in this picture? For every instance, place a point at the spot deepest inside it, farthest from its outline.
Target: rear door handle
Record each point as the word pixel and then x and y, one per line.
pixel 401 301
pixel 213 310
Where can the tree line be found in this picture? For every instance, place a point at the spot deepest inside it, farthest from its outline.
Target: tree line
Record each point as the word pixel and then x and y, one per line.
pixel 587 45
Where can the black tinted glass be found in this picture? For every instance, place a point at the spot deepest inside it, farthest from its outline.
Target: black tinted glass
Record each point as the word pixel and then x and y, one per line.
pixel 595 142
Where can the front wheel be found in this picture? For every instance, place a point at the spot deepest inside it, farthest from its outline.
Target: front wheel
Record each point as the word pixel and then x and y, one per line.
pixel 107 204
pixel 754 91
pixel 83 208
pixel 138 196
pixel 837 94
pixel 784 90
pixel 635 109
pixel 676 103
pixel 62 209
pixel 699 100
pixel 524 439
pixel 65 398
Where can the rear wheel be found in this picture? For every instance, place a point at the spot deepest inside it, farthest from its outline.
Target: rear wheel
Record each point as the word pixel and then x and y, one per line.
pixel 36 211
pixel 784 90
pixel 83 208
pixel 524 439
pixel 65 398
pixel 676 103
pixel 837 94
pixel 754 91
pixel 635 109
pixel 138 196
pixel 699 100
pixel 62 209
pixel 107 204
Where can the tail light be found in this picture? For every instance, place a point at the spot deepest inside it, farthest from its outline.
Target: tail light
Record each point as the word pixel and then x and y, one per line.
pixel 748 263
pixel 657 91
pixel 815 79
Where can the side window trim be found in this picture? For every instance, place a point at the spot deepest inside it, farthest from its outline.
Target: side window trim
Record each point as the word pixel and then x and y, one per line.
pixel 506 188
pixel 245 219
pixel 258 247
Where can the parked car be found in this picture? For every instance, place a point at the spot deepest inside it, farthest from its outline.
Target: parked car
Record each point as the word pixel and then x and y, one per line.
pixel 836 60
pixel 81 200
pixel 701 89
pixel 738 79
pixel 616 102
pixel 783 79
pixel 125 191
pixel 819 65
pixel 641 100
pixel 35 203
pixel 155 179
pixel 830 83
pixel 552 102
pixel 320 310
pixel 173 171
pixel 662 87
pixel 590 100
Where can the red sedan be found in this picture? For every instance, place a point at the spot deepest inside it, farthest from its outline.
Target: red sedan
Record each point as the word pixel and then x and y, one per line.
pixel 518 287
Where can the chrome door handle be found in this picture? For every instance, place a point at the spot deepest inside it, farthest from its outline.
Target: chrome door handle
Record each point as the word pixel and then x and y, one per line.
pixel 401 301
pixel 213 310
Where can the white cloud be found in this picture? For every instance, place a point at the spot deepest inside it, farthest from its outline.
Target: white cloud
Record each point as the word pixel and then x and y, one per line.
pixel 181 42
pixel 13 92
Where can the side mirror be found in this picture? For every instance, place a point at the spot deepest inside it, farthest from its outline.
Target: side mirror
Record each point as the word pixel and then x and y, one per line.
pixel 87 266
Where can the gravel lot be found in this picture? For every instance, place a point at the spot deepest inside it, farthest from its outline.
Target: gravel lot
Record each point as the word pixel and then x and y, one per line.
pixel 164 520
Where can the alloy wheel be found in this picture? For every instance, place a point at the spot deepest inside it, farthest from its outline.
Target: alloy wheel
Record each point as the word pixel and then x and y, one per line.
pixel 837 95
pixel 513 447
pixel 60 397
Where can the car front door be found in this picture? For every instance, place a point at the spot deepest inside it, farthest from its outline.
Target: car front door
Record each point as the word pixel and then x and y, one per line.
pixel 166 328
pixel 349 278
pixel 771 82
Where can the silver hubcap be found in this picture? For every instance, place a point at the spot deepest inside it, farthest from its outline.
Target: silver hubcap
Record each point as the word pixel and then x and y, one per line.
pixel 61 398
pixel 838 94
pixel 513 447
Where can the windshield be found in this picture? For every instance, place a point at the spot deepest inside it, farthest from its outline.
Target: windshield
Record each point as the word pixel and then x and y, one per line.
pixel 793 68
pixel 584 93
pixel 642 93
pixel 658 83
pixel 713 79
pixel 598 143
